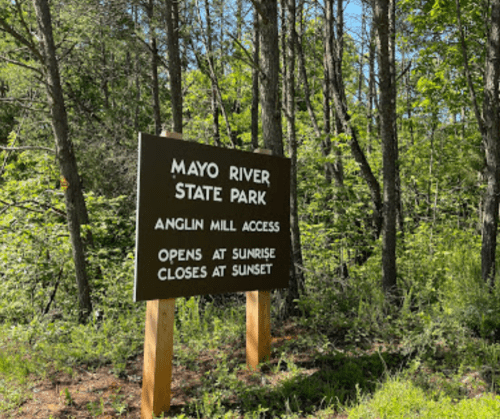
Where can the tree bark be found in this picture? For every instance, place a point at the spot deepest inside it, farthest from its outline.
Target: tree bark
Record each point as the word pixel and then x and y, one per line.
pixel 296 281
pixel 389 144
pixel 255 81
pixel 489 127
pixel 155 91
pixel 174 62
pixel 269 87
pixel 75 204
pixel 371 90
pixel 213 80
pixel 392 67
pixel 492 147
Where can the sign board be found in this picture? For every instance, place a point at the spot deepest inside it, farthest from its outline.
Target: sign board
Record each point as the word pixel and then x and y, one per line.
pixel 209 220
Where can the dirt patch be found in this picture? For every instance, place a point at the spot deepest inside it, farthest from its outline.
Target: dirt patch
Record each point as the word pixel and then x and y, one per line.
pixel 97 393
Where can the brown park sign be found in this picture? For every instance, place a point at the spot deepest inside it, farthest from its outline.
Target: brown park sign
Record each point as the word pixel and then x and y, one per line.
pixel 209 220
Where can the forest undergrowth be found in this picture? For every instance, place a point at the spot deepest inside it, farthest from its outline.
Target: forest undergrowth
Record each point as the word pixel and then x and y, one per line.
pixel 432 352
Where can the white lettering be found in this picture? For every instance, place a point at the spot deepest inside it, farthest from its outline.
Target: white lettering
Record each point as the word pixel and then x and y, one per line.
pixel 198 192
pixel 254 253
pixel 240 174
pixel 219 254
pixel 196 168
pixel 178 167
pixel 222 225
pixel 179 255
pixel 219 271
pixel 255 269
pixel 261 226
pixel 188 272
pixel 180 224
pixel 253 197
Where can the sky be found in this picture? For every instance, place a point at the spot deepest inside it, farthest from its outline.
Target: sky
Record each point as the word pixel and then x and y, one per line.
pixel 352 18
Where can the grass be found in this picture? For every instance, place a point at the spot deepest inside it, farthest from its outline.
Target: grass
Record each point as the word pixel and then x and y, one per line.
pixel 310 374
pixel 17 364
pixel 401 398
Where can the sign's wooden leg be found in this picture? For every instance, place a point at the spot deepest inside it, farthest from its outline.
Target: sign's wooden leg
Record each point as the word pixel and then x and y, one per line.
pixel 258 327
pixel 158 351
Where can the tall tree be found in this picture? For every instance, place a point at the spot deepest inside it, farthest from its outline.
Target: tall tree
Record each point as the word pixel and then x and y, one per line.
pixel 174 62
pixel 75 204
pixel 489 127
pixel 269 86
pixel 297 278
pixel 255 81
pixel 491 108
pixel 153 50
pixel 389 145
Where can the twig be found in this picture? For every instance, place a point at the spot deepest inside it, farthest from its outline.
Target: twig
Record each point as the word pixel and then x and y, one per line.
pixel 404 71
pixel 53 295
pixel 250 60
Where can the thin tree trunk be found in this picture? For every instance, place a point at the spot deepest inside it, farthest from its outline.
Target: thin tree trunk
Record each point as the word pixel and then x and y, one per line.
pixel 174 62
pixel 470 84
pixel 307 89
pixel 255 82
pixel 331 171
pixel 137 75
pixel 155 90
pixel 75 204
pixel 297 280
pixel 392 66
pixel 215 117
pixel 211 67
pixel 371 89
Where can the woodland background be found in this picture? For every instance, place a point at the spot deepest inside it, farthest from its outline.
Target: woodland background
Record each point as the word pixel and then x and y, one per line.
pixel 393 127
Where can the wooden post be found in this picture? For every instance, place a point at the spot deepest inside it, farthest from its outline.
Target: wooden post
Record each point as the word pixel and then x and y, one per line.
pixel 158 351
pixel 258 320
pixel 258 327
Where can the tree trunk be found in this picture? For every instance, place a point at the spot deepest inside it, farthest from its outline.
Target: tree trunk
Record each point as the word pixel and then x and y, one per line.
pixel 269 86
pixel 211 67
pixel 489 126
pixel 392 66
pixel 174 62
pixel 389 145
pixel 297 280
pixel 75 204
pixel 371 90
pixel 492 147
pixel 255 81
pixel 155 91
